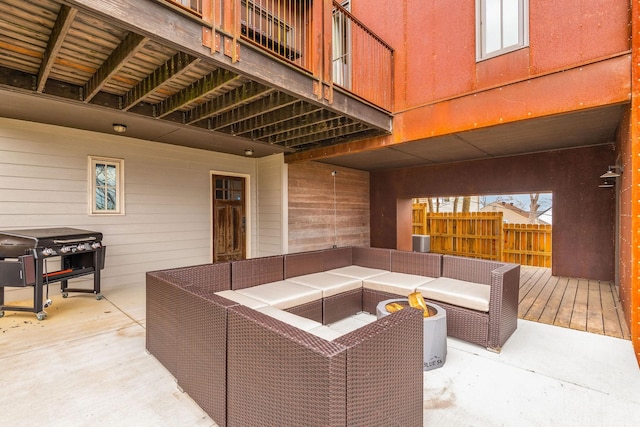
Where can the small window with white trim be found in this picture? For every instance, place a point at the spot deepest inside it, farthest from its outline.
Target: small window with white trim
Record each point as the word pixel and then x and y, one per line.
pixel 106 183
pixel 502 26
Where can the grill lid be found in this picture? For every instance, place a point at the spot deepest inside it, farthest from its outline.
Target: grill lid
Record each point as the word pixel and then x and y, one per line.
pixel 14 243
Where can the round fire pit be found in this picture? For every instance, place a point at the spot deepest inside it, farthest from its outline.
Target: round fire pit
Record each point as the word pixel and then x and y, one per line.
pixel 435 332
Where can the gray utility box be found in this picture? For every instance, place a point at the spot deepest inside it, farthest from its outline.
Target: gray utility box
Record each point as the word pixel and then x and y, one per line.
pixel 421 243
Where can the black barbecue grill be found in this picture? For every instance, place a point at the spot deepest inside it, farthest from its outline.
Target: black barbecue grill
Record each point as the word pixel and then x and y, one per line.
pixel 22 263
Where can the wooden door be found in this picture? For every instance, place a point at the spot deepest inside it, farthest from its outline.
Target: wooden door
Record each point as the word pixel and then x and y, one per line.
pixel 229 221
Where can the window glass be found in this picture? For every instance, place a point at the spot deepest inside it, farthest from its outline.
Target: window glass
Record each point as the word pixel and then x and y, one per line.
pixel 106 178
pixel 502 26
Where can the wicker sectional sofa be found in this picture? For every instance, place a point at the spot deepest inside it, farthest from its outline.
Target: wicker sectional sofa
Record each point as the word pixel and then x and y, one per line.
pixel 251 341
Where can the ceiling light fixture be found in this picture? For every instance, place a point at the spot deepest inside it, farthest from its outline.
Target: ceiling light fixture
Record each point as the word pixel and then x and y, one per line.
pixel 120 128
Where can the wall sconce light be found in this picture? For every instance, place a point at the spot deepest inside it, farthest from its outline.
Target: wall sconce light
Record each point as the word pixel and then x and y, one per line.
pixel 609 176
pixel 607 183
pixel 120 128
pixel 610 173
pixel 248 152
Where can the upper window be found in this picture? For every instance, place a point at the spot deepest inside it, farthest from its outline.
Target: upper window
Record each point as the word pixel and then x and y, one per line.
pixel 106 179
pixel 502 26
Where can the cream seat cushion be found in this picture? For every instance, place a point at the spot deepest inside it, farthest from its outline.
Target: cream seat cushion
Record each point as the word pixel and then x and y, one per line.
pixel 457 292
pixel 357 271
pixel 282 294
pixel 330 284
pixel 396 283
pixel 326 332
pixel 242 299
pixel 292 319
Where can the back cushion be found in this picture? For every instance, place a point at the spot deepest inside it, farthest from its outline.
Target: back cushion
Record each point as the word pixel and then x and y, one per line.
pixel 372 257
pixel 256 271
pixel 423 264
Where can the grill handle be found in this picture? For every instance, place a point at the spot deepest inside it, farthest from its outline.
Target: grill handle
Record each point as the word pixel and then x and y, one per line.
pixel 63 242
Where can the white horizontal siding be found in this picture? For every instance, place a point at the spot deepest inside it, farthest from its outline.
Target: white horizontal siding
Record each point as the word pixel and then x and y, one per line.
pixel 167 221
pixel 271 205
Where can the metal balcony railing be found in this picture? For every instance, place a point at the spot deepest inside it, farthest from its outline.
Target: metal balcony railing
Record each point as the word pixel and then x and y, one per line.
pixel 339 50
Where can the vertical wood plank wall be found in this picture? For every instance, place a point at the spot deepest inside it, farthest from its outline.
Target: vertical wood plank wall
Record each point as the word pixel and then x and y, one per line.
pixel 312 224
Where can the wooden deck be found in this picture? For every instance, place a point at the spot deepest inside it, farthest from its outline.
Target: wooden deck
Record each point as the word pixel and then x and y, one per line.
pixel 585 305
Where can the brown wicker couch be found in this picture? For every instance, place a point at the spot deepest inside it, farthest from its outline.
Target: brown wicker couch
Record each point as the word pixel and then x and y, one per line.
pixel 244 367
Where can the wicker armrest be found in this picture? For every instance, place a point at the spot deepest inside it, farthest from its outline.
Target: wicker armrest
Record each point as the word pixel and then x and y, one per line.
pixel 280 375
pixel 503 309
pixel 384 371
pixel 216 277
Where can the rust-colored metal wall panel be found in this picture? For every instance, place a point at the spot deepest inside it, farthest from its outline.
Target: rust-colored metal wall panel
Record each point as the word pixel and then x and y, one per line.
pixel 583 234
pixel 502 69
pixel 440 44
pixel 630 234
pixel 558 92
pixel 576 31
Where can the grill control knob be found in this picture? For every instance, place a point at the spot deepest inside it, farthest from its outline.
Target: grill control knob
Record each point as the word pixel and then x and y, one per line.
pixel 96 245
pixel 82 246
pixel 48 252
pixel 65 249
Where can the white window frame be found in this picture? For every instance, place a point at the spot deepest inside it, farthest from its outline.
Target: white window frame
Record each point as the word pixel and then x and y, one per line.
pixel 481 30
pixel 119 187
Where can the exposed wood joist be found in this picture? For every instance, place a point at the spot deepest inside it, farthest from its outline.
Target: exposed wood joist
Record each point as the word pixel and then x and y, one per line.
pixel 286 112
pixel 202 88
pixel 293 124
pixel 317 128
pixel 175 66
pixel 239 96
pixel 273 102
pixel 131 44
pixel 331 134
pixel 60 29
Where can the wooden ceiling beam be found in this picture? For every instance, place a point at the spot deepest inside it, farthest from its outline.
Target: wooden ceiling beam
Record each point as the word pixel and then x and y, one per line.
pixel 329 135
pixel 294 123
pixel 206 86
pixel 288 112
pixel 177 65
pixel 242 95
pixel 274 102
pixel 131 44
pixel 58 32
pixel 318 128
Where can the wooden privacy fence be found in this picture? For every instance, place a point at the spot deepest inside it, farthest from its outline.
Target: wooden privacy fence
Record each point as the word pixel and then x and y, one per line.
pixel 484 235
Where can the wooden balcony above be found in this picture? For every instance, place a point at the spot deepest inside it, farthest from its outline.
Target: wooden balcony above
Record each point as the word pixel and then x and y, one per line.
pixel 91 63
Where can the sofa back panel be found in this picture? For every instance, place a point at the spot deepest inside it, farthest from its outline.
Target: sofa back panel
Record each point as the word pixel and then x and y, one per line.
pixel 384 371
pixel 202 347
pixel 423 264
pixel 468 269
pixel 161 313
pixel 256 271
pixel 372 257
pixel 302 263
pixel 216 277
pixel 337 257
pixel 279 375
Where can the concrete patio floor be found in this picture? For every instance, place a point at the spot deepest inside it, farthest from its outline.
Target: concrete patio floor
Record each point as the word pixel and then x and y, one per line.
pixel 86 365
